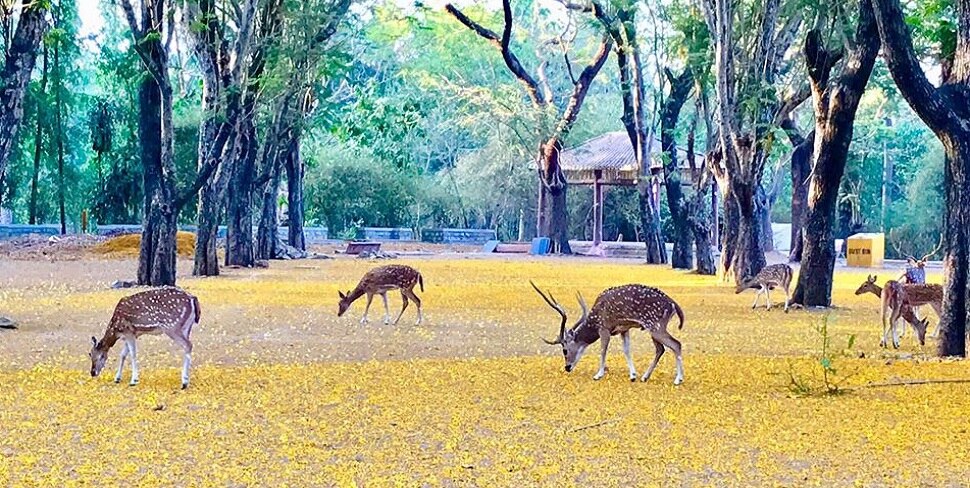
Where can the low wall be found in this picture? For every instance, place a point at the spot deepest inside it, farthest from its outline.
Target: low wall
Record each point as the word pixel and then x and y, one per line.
pixel 314 235
pixel 388 234
pixel 457 236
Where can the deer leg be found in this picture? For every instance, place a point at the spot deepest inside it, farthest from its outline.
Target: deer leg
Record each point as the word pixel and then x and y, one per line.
pixel 121 362
pixel 756 296
pixel 674 345
pixel 370 298
pixel 133 350
pixel 387 310
pixel 787 299
pixel 404 298
pixel 893 320
pixel 417 302
pixel 767 297
pixel 939 313
pixel 656 359
pixel 186 358
pixel 605 340
pixel 629 358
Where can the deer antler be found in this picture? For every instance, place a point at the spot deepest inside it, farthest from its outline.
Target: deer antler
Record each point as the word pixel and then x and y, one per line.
pixel 582 305
pixel 892 241
pixel 938 247
pixel 558 308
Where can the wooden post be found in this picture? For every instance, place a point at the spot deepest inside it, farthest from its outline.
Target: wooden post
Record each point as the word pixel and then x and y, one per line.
pixel 597 208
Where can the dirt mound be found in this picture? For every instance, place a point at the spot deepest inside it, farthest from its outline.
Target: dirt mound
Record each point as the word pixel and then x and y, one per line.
pixel 128 245
pixel 35 247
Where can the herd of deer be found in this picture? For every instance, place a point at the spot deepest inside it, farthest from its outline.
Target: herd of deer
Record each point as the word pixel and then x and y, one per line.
pixel 617 310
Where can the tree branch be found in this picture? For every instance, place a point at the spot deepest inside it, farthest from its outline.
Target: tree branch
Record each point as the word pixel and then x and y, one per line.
pixel 900 55
pixel 503 43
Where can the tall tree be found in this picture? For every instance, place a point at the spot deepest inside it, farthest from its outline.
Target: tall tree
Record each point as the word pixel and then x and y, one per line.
pixel 58 41
pixel 680 89
pixel 747 65
pixel 152 29
pixel 38 141
pixel 19 60
pixel 945 110
pixel 223 58
pixel 801 166
pixel 835 101
pixel 553 214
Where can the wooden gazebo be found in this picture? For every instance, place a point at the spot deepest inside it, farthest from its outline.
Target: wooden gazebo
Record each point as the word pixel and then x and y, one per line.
pixel 609 160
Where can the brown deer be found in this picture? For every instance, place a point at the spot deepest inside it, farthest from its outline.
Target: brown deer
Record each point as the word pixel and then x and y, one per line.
pixel 615 312
pixel 169 310
pixel 895 295
pixel 379 281
pixel 906 312
pixel 769 278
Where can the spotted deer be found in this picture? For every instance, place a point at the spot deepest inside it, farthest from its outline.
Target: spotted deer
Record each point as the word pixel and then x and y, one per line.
pixel 615 312
pixel 896 295
pixel 769 278
pixel 907 312
pixel 169 311
pixel 381 280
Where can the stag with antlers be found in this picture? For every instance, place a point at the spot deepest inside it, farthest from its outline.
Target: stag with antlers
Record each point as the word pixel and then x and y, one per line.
pixel 915 272
pixel 167 310
pixel 615 312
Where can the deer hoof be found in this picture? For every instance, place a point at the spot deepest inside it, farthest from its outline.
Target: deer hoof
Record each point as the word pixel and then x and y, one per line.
pixel 678 381
pixel 133 383
pixel 185 386
pixel 117 380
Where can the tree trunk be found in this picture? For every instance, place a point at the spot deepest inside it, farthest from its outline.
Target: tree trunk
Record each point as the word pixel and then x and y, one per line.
pixel 21 55
pixel 240 249
pixel 38 143
pixel 557 212
pixel 59 124
pixel 835 110
pixel 266 235
pixel 729 231
pixel 294 191
pixel 700 221
pixel 801 167
pixel 650 224
pixel 680 87
pixel 211 204
pixel 764 220
pixel 956 263
pixel 749 257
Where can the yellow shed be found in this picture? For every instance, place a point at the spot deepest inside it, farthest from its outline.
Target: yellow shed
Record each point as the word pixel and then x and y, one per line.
pixel 865 250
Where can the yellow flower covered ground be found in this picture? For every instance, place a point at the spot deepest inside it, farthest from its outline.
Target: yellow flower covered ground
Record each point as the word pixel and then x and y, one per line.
pixel 286 394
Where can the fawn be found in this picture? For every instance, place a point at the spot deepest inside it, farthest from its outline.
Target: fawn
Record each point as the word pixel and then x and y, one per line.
pixel 169 310
pixel 770 277
pixel 379 281
pixel 615 312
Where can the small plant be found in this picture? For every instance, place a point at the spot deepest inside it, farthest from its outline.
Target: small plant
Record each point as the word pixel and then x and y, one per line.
pixel 826 373
pixel 352 233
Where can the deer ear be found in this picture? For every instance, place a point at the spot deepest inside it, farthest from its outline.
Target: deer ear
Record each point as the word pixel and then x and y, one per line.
pixel 94 342
pixel 342 296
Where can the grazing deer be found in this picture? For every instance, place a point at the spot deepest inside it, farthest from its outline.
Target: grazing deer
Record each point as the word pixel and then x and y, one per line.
pixel 770 277
pixel 906 312
pixel 915 272
pixel 167 310
pixel 615 312
pixel 379 281
pixel 895 295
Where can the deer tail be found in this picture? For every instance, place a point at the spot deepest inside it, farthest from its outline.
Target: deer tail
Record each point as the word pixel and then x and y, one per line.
pixel 421 282
pixel 680 315
pixel 196 309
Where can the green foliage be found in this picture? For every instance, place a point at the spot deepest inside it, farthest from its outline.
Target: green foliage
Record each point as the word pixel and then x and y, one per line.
pixel 825 378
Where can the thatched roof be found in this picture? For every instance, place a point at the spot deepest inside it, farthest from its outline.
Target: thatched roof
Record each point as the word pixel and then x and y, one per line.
pixel 613 154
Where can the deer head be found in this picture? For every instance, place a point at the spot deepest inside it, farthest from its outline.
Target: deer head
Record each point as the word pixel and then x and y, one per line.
pixel 868 286
pixel 744 284
pixel 921 325
pixel 344 304
pixel 98 355
pixel 573 343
